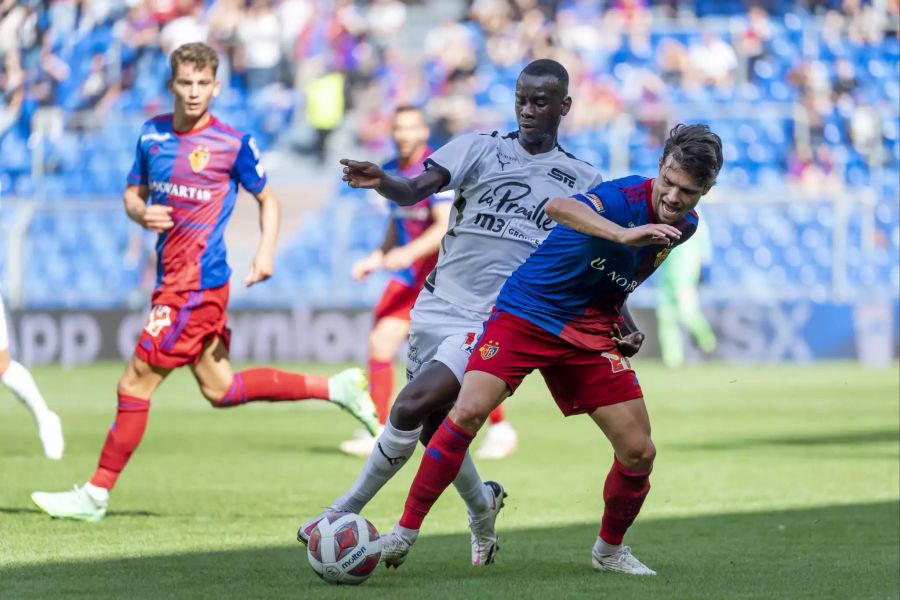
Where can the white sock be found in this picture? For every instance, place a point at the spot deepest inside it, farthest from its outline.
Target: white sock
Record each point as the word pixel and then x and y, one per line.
pixel 393 443
pixel 470 487
pixel 22 384
pixel 602 548
pixel 98 494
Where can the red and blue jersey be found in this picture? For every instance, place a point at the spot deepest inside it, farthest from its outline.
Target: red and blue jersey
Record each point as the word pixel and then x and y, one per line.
pixel 197 173
pixel 411 221
pixel 574 285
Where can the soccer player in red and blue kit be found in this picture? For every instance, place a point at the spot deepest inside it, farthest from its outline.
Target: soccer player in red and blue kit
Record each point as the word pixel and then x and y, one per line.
pixel 183 185
pixel 410 252
pixel 561 313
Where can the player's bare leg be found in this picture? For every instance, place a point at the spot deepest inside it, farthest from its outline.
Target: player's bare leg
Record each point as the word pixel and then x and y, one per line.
pixel 384 340
pixel 89 502
pixel 627 426
pixel 481 393
pixel 17 378
pixel 224 388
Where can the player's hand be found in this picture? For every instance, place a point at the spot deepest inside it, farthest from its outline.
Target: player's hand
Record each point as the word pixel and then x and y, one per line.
pixel 629 344
pixel 650 234
pixel 260 269
pixel 158 218
pixel 362 174
pixel 397 258
pixel 364 267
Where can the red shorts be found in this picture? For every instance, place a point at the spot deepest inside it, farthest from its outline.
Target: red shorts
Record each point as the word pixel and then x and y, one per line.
pixel 580 380
pixel 179 325
pixel 397 300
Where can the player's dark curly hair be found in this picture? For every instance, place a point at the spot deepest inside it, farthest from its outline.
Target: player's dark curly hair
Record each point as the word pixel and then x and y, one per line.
pixel 547 67
pixel 196 53
pixel 697 150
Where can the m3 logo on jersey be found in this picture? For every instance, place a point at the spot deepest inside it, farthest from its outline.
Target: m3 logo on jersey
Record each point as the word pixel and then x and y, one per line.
pixel 566 178
pixel 489 350
pixel 468 346
pixel 199 158
pixel 618 362
pixel 160 318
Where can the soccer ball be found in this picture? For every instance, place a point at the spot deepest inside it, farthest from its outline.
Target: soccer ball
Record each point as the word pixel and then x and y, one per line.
pixel 344 548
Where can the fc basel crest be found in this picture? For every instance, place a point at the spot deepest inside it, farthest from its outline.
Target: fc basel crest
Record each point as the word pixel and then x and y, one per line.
pixel 489 350
pixel 662 254
pixel 199 158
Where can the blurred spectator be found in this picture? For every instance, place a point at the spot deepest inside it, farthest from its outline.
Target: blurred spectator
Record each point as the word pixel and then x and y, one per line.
pixel 324 109
pixel 12 90
pixel 672 61
pixel 754 40
pixel 259 36
pixel 41 89
pixel 386 19
pixel 189 26
pixel 845 81
pixel 712 61
pixel 866 131
pixel 94 95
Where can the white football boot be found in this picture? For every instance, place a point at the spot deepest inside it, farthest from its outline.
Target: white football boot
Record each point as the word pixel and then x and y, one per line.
pixel 75 504
pixel 362 444
pixel 500 441
pixel 484 533
pixel 349 389
pixel 621 561
pixel 51 435
pixel 395 546
pixel 307 528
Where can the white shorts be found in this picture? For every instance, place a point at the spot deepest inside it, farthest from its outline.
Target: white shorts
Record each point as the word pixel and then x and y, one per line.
pixel 443 332
pixel 4 336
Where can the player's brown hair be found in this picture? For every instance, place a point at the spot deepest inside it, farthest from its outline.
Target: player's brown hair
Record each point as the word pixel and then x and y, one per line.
pixel 196 53
pixel 697 150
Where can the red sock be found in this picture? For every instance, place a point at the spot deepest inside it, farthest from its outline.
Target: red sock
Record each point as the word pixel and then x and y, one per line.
pixel 623 494
pixel 381 386
pixel 273 385
pixel 497 415
pixel 123 437
pixel 439 467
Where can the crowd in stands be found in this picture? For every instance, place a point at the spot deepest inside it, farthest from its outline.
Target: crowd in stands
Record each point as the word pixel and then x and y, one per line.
pixel 804 94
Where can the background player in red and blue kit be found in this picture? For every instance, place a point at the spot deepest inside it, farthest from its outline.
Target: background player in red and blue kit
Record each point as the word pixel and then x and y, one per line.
pixel 560 312
pixel 410 251
pixel 183 185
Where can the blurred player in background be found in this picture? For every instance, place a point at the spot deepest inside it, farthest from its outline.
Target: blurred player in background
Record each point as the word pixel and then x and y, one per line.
pixel 503 183
pixel 183 186
pixel 679 299
pixel 561 313
pixel 17 378
pixel 410 251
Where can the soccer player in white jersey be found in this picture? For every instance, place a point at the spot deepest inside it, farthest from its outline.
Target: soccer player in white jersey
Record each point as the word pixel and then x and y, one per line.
pixel 502 184
pixel 17 378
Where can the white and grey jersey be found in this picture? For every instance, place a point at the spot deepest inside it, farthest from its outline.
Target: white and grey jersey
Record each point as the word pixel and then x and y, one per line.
pixel 498 217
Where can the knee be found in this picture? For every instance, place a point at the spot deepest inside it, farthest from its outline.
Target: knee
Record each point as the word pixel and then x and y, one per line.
pixel 413 405
pixel 217 394
pixel 638 455
pixel 469 415
pixel 379 349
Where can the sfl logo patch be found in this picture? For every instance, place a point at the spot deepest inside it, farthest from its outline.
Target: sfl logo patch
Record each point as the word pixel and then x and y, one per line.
pixel 160 318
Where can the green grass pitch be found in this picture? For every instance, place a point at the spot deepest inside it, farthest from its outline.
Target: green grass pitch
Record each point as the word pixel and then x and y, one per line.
pixel 771 482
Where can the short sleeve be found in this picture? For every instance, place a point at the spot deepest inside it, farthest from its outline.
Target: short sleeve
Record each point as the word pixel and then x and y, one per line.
pixel 456 159
pixel 248 170
pixel 139 173
pixel 608 201
pixel 441 197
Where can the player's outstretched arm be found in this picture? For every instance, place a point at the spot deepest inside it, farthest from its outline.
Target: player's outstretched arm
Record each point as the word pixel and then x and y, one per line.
pixel 263 263
pixel 402 190
pixel 154 217
pixel 582 218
